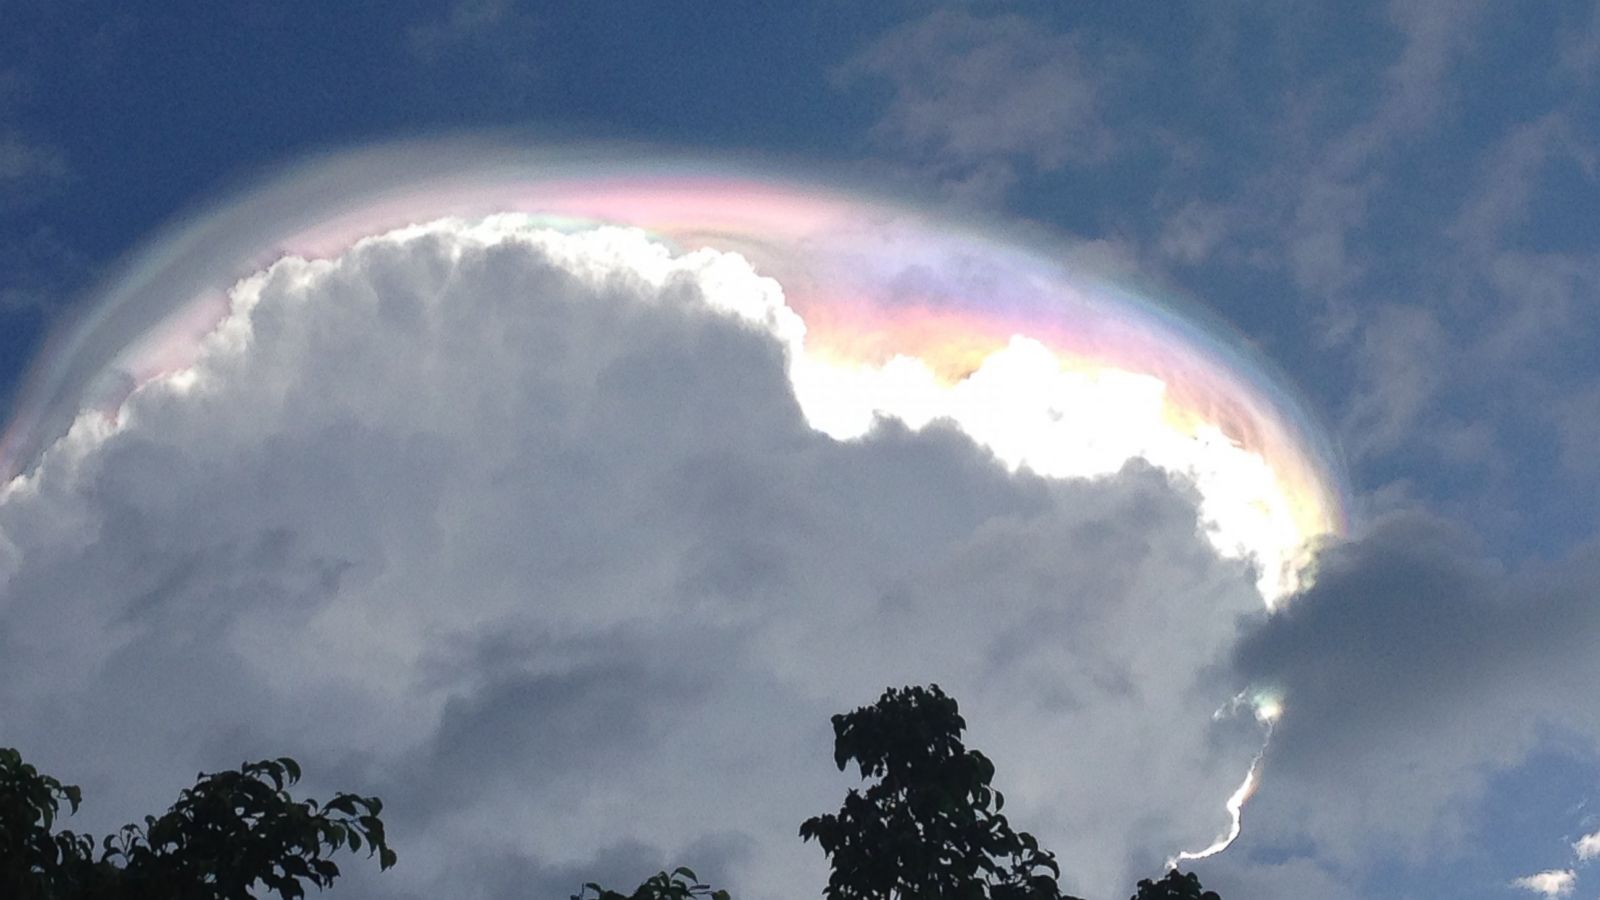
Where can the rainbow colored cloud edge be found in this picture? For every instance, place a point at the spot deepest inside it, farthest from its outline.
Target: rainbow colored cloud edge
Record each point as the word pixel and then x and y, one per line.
pixel 874 278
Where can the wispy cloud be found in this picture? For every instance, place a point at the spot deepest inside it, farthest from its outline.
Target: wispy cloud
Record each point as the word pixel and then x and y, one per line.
pixel 980 99
pixel 27 162
pixel 36 262
pixel 464 21
pixel 1579 53
pixel 21 160
pixel 499 37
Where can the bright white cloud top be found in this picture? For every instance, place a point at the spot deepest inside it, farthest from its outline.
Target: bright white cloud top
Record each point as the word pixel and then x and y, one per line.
pixel 567 539
pixel 888 311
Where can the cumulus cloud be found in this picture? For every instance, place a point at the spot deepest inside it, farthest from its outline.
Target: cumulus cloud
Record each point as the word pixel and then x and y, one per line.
pixel 1587 847
pixel 1554 883
pixel 526 533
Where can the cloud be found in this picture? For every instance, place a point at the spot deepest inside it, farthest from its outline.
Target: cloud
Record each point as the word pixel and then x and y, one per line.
pixel 468 23
pixel 1587 847
pixel 1404 355
pixel 975 98
pixel 495 46
pixel 515 530
pixel 22 161
pixel 1554 883
pixel 1232 876
pixel 1529 297
pixel 1416 666
pixel 1437 34
pixel 36 264
pixel 1191 233
pixel 1449 318
pixel 1498 316
pixel 1502 198
pixel 1338 190
pixel 1580 48
pixel 1323 198
pixel 28 164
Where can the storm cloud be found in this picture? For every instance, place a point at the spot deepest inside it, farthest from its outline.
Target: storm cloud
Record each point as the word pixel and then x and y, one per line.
pixel 525 533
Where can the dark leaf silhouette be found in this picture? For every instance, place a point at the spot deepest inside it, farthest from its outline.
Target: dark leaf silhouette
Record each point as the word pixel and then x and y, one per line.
pixel 930 827
pixel 680 884
pixel 1175 886
pixel 232 835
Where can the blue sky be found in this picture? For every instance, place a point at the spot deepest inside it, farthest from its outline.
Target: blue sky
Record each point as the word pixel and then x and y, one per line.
pixel 1395 202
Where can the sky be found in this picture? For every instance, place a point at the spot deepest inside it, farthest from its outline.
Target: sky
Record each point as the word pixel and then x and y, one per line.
pixel 561 530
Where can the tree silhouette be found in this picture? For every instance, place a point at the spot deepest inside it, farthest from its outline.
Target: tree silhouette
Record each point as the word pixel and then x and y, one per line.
pixel 680 884
pixel 928 828
pixel 1176 886
pixel 225 836
pixel 931 826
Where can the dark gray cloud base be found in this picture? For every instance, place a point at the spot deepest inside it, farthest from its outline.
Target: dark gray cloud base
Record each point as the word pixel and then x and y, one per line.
pixel 1417 664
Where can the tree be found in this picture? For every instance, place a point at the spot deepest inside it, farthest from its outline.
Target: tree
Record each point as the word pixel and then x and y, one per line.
pixel 931 826
pixel 680 884
pixel 229 835
pixel 1176 886
pixel 34 861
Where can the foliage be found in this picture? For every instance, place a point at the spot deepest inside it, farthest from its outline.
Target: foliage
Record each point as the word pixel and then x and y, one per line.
pixel 929 829
pixel 34 860
pixel 225 836
pixel 680 884
pixel 1176 886
pixel 931 826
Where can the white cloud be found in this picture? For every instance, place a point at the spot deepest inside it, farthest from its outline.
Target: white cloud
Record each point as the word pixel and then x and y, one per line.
pixel 1554 883
pixel 519 532
pixel 1587 847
